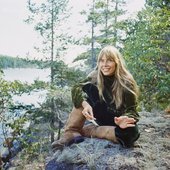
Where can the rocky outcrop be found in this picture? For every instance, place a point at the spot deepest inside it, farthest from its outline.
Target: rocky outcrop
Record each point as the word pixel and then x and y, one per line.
pixel 149 152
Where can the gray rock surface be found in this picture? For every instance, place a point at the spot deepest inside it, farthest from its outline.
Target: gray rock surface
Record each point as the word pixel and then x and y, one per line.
pixel 149 152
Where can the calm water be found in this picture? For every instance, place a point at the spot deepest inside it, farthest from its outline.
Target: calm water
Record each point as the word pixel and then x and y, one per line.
pixel 27 75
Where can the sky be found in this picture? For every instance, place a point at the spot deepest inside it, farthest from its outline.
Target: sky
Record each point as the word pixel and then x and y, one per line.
pixel 18 38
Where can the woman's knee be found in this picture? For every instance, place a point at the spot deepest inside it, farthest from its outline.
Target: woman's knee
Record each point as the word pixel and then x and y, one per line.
pixel 127 136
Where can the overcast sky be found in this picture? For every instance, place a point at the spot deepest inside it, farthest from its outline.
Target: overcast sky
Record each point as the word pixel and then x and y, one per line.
pixel 17 38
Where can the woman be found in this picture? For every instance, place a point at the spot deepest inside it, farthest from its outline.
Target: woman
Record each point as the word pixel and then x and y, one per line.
pixel 107 98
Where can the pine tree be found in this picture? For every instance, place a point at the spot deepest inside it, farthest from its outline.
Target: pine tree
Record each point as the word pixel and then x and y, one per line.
pixel 47 18
pixel 106 27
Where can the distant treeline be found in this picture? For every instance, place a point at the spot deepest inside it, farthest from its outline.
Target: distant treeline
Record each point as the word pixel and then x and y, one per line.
pixel 12 62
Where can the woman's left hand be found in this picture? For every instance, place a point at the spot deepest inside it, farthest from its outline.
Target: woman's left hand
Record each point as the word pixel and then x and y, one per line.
pixel 124 122
pixel 87 111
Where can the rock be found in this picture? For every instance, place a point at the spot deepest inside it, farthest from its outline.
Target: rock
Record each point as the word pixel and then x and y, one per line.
pixel 149 152
pixel 92 154
pixel 53 165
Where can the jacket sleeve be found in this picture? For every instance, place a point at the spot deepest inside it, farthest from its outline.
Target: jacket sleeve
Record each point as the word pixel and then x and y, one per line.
pixel 130 105
pixel 77 93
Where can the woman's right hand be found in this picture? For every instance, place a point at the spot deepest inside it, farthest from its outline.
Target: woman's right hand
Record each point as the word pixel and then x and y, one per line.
pixel 87 111
pixel 124 122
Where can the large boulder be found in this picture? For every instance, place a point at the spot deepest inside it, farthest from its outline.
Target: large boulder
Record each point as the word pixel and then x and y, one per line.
pixel 149 152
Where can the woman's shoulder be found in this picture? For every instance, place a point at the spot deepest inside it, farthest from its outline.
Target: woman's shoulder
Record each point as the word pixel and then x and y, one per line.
pixel 90 79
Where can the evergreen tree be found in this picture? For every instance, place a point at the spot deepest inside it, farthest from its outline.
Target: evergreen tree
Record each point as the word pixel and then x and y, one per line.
pixel 110 22
pixel 106 27
pixel 47 18
pixel 147 52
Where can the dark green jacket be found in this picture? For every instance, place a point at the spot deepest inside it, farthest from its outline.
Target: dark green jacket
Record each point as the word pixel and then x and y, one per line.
pixel 129 104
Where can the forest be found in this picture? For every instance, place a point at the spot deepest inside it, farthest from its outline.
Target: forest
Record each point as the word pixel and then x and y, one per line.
pixel 16 62
pixel 143 41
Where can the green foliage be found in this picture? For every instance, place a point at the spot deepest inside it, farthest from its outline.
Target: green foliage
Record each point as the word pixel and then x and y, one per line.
pixel 65 76
pixel 147 53
pixel 12 62
pixel 5 97
pixel 46 18
pixel 59 99
pixel 8 119
pixel 82 56
pixel 106 28
pixel 62 98
pixel 34 143
pixel 145 42
pixel 15 117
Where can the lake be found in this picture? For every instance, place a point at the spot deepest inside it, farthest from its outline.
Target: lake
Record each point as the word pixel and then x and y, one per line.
pixel 27 75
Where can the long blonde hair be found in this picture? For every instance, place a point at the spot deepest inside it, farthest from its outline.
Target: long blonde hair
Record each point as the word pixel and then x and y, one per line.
pixel 123 78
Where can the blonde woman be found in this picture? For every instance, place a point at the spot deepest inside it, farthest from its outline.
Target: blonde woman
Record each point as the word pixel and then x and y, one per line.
pixel 108 99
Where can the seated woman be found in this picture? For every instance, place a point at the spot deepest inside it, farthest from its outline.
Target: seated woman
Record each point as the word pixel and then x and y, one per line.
pixel 108 97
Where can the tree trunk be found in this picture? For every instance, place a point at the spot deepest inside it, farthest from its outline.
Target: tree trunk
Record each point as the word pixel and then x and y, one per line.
pixel 52 68
pixel 93 39
pixel 115 21
pixel 106 20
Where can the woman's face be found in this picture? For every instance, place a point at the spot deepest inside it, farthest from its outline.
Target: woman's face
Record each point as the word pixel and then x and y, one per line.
pixel 107 66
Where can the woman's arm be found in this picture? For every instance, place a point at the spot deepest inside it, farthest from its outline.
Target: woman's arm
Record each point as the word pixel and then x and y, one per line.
pixel 77 93
pixel 130 104
pixel 130 116
pixel 80 97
